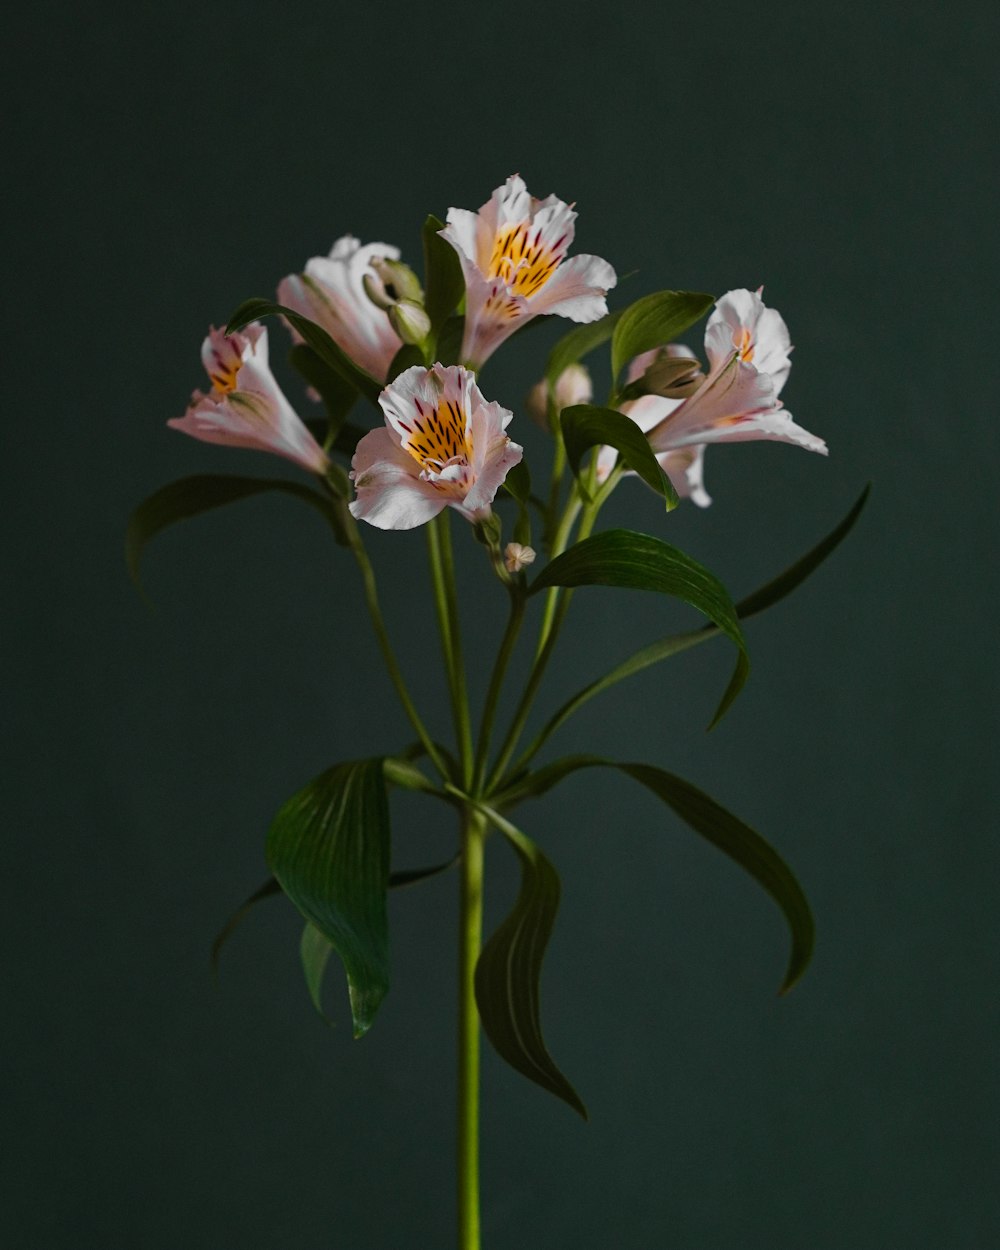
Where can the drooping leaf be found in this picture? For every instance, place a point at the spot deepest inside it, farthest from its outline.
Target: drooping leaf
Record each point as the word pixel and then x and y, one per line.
pixel 444 282
pixel 190 496
pixel 315 950
pixel 654 321
pixel 508 973
pixel 585 426
pixel 315 336
pixel 338 395
pixel 580 342
pixel 329 848
pixel 766 596
pixel 641 562
pixel 716 825
pixel 269 889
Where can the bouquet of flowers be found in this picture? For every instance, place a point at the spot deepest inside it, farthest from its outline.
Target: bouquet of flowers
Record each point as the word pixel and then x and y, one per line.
pixel 369 334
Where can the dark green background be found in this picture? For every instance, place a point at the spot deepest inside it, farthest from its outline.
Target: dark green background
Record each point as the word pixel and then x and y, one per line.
pixel 168 161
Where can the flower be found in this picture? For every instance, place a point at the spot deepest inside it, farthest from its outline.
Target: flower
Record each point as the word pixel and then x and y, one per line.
pixel 748 349
pixel 332 293
pixel 246 407
pixel 442 446
pixel 573 386
pixel 517 556
pixel 513 255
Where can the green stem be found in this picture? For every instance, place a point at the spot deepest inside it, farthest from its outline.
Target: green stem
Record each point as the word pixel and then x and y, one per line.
pixel 470 942
pixel 507 644
pixel 381 634
pixel 460 697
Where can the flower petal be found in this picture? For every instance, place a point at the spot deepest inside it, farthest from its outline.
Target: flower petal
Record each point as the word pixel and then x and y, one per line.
pixel 390 493
pixel 577 289
pixel 495 454
pixel 743 323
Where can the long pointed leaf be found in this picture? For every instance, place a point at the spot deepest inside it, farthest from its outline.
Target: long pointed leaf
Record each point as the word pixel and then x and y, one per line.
pixel 509 971
pixel 640 562
pixel 654 321
pixel 338 395
pixel 329 848
pixel 315 950
pixel 316 337
pixel 190 496
pixel 585 426
pixel 716 825
pixel 444 282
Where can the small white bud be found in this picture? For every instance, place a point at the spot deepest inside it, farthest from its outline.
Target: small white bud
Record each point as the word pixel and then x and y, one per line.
pixel 573 386
pixel 410 321
pixel 516 557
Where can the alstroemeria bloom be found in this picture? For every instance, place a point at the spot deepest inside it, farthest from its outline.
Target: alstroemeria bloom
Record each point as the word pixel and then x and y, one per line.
pixel 442 446
pixel 513 256
pixel 246 407
pixel 748 348
pixel 331 292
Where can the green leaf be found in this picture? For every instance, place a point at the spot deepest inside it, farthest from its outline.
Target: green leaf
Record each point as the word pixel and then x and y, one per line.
pixel 190 496
pixel 407 356
pixel 449 344
pixel 640 562
pixel 508 973
pixel 329 848
pixel 585 426
pixel 580 342
pixel 338 395
pixel 766 596
pixel 654 321
pixel 315 951
pixel 315 336
pixel 716 825
pixel 268 890
pixel 444 282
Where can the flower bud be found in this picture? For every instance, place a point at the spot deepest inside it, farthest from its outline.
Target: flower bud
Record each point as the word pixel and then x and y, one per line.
pixel 376 292
pixel 410 321
pixel 398 280
pixel 671 376
pixel 573 386
pixel 516 557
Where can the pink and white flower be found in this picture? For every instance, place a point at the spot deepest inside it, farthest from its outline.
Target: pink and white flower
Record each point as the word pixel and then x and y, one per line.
pixel 748 349
pixel 245 406
pixel 331 292
pixel 513 255
pixel 442 446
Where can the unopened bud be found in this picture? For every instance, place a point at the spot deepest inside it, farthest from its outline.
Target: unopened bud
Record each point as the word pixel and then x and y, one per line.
pixel 376 292
pixel 671 376
pixel 399 280
pixel 573 386
pixel 410 321
pixel 516 557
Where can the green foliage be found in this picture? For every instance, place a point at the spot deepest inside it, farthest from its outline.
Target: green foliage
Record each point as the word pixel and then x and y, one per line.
pixel 444 282
pixel 716 825
pixel 407 356
pixel 329 848
pixel 580 342
pixel 315 950
pixel 190 496
pixel 508 973
pixel 585 426
pixel 315 336
pixel 640 562
pixel 654 321
pixel 338 395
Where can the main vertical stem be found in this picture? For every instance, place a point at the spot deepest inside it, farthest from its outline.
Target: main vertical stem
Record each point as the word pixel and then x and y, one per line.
pixel 469 943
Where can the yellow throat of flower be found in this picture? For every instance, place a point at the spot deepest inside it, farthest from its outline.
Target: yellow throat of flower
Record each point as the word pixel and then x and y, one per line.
pixel 525 266
pixel 744 346
pixel 226 365
pixel 438 438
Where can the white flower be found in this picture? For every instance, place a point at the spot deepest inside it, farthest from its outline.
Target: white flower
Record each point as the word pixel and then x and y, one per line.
pixel 442 446
pixel 573 386
pixel 246 407
pixel 332 293
pixel 513 255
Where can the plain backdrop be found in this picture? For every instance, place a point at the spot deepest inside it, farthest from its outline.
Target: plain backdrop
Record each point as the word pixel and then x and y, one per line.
pixel 165 162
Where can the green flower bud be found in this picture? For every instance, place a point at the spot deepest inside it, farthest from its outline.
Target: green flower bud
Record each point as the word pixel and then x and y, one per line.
pixel 410 321
pixel 398 280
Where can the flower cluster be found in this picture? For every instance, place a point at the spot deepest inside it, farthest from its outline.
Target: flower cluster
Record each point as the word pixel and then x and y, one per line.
pixel 443 444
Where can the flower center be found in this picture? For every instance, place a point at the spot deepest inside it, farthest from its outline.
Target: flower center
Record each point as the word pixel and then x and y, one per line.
pixel 744 345
pixel 521 260
pixel 227 361
pixel 438 442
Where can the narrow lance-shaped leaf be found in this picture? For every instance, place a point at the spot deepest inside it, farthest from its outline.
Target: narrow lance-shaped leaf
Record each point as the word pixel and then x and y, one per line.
pixel 315 950
pixel 653 321
pixel 764 597
pixel 579 342
pixel 315 336
pixel 585 426
pixel 338 395
pixel 190 496
pixel 716 825
pixel 509 972
pixel 641 562
pixel 329 848
pixel 444 282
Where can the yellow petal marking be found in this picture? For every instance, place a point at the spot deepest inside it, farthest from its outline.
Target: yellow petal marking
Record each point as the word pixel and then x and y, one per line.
pixel 521 260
